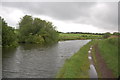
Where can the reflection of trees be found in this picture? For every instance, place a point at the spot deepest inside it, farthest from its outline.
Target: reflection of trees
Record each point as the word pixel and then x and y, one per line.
pixel 35 46
pixel 0 52
pixel 8 52
pixel 30 46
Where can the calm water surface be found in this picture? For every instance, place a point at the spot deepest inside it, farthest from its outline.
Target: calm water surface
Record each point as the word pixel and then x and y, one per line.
pixel 0 62
pixel 34 61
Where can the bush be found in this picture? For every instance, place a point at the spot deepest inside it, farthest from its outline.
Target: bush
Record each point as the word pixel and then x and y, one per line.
pixel 9 38
pixel 36 31
pixel 106 35
pixel 113 41
pixel 34 39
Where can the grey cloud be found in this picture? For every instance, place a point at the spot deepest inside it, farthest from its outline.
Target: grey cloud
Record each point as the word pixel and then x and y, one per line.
pixel 77 12
pixel 58 10
pixel 109 17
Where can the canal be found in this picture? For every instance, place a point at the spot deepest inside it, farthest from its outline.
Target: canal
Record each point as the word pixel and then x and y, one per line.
pixel 35 61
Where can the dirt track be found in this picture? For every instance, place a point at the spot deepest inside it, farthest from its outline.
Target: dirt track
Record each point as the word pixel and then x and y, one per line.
pixel 102 67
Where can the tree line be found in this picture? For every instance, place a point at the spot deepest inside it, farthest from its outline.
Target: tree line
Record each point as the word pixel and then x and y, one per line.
pixel 34 30
pixel 85 33
pixel 115 33
pixel 31 30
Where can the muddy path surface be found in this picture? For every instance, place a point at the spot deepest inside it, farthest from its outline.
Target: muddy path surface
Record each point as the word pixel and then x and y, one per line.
pixel 105 72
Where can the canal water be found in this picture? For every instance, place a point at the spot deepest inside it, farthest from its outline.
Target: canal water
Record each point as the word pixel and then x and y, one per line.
pixel 34 61
pixel 0 62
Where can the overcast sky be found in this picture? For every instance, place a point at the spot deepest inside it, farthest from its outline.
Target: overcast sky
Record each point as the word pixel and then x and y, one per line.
pixel 66 16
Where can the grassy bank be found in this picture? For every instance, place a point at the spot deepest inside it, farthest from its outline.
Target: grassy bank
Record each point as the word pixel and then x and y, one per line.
pixel 65 36
pixel 109 50
pixel 78 65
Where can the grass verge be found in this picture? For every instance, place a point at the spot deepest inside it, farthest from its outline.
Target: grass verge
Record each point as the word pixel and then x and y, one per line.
pixel 109 51
pixel 78 65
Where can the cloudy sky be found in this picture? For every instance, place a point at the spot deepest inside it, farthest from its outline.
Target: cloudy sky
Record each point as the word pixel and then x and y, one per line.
pixel 66 16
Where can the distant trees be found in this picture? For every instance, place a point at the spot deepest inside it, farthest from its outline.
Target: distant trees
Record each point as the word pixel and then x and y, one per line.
pixel 35 30
pixel 116 33
pixel 31 30
pixel 9 37
pixel 84 33
pixel 106 35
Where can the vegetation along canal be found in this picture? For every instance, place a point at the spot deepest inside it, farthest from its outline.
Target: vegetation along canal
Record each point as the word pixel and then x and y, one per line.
pixel 33 61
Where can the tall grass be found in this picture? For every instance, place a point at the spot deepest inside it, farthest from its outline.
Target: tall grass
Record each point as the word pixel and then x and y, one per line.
pixel 78 65
pixel 109 51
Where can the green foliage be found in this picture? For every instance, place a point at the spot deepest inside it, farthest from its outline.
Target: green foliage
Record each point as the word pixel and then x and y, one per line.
pixel 0 31
pixel 116 33
pixel 109 51
pixel 66 36
pixel 106 35
pixel 9 38
pixel 34 39
pixel 36 31
pixel 25 25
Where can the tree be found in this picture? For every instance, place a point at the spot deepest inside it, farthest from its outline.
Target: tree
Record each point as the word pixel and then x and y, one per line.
pixel 0 31
pixel 106 35
pixel 29 28
pixel 116 33
pixel 26 25
pixel 50 34
pixel 9 38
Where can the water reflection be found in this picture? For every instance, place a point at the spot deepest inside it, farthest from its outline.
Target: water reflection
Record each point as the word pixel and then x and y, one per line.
pixel 0 62
pixel 35 61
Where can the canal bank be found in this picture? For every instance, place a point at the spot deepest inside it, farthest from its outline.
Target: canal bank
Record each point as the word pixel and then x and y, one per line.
pixel 101 66
pixel 105 56
pixel 99 61
pixel 78 65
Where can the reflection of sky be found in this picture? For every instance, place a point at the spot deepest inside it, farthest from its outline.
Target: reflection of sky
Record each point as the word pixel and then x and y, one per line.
pixel 93 73
pixel 36 62
pixel 13 61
